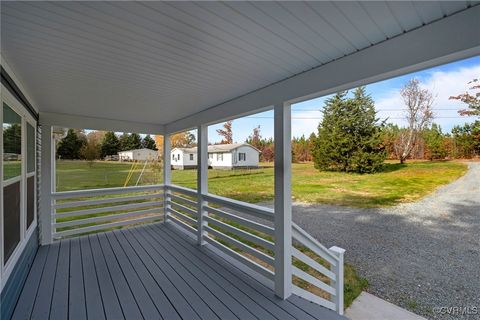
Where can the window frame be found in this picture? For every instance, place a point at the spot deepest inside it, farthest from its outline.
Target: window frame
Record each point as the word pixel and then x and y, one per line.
pixel 6 267
pixel 191 157
pixel 240 154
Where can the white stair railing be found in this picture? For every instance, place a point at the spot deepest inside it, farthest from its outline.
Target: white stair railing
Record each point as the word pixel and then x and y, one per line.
pixel 315 265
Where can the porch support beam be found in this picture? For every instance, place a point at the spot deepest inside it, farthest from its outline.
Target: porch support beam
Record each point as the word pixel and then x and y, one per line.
pixel 202 180
pixel 283 200
pixel 446 40
pixel 80 122
pixel 167 174
pixel 47 185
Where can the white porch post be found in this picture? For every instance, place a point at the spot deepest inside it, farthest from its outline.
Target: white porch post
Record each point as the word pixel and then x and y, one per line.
pixel 47 185
pixel 202 179
pixel 283 201
pixel 167 175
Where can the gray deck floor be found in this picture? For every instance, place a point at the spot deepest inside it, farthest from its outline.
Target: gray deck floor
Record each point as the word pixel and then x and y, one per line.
pixel 147 272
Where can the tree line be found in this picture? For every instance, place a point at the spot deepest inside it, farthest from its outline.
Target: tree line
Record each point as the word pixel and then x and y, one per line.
pixel 351 138
pixel 99 144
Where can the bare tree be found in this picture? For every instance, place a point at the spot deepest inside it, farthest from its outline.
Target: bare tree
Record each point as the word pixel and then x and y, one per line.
pixel 226 133
pixel 419 115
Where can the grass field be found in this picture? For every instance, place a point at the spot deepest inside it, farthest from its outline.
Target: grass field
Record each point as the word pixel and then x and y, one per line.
pixel 396 184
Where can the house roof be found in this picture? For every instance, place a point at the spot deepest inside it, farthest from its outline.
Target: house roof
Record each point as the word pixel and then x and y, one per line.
pixel 218 148
pixel 142 149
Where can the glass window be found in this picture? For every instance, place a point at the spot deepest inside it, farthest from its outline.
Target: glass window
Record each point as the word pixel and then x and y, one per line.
pixel 191 156
pixel 242 156
pixel 12 143
pixel 210 155
pixel 173 157
pixel 219 156
pixel 11 219
pixel 30 148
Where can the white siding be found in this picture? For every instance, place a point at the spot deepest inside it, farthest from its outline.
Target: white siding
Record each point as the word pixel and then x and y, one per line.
pixel 138 155
pixel 180 158
pixel 226 162
pixel 251 157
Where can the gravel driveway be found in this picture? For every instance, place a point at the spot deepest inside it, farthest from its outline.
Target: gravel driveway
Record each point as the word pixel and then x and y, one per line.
pixel 420 256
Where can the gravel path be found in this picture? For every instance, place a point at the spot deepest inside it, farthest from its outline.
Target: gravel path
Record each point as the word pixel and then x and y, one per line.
pixel 420 256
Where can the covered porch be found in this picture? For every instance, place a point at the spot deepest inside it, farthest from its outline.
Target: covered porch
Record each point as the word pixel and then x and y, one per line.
pixel 162 68
pixel 151 272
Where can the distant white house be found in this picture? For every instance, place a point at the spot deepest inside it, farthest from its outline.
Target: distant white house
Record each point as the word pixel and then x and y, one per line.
pixel 220 156
pixel 138 155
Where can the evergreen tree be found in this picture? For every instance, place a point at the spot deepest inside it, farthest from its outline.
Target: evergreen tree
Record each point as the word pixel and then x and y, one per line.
pixel 124 141
pixel 134 141
pixel 70 146
pixel 110 144
pixel 149 143
pixel 349 138
pixel 434 141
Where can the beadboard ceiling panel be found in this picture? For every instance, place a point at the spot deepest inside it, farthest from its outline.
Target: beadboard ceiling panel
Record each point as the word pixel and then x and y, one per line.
pixel 157 62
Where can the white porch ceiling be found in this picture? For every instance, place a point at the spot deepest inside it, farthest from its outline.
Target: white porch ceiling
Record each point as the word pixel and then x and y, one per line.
pixel 158 62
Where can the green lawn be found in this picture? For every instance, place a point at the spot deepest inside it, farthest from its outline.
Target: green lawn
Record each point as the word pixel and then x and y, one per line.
pixel 396 184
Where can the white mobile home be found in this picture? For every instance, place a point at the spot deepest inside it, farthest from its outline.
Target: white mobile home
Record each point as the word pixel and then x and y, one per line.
pixel 221 156
pixel 138 155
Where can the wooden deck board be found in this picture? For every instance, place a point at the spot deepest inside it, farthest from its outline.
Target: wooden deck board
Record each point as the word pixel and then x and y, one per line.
pixel 111 305
pixel 26 301
pixel 149 272
pixel 93 298
pixel 41 309
pixel 221 310
pixel 59 309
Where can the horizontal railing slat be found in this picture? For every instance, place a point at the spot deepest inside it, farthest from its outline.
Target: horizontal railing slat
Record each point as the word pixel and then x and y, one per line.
pixel 252 209
pixel 311 243
pixel 106 218
pixel 182 207
pixel 181 224
pixel 108 209
pixel 252 265
pixel 82 203
pixel 183 216
pixel 186 191
pixel 72 232
pixel 241 233
pixel 182 199
pixel 312 263
pixel 243 221
pixel 254 252
pixel 96 192
pixel 313 281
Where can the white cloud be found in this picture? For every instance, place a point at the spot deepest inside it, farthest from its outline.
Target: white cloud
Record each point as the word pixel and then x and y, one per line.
pixel 442 84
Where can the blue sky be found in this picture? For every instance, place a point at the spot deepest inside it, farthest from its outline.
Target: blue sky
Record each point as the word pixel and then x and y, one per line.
pixel 444 81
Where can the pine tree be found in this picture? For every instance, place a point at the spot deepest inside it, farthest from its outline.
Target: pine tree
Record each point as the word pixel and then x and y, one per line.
pixel 124 142
pixel 134 141
pixel 70 146
pixel 110 144
pixel 149 143
pixel 434 140
pixel 349 138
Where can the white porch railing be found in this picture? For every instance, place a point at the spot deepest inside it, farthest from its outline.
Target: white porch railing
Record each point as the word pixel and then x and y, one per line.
pixel 240 230
pixel 83 211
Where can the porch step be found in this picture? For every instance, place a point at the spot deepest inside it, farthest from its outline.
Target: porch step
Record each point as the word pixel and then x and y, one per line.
pixel 370 307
